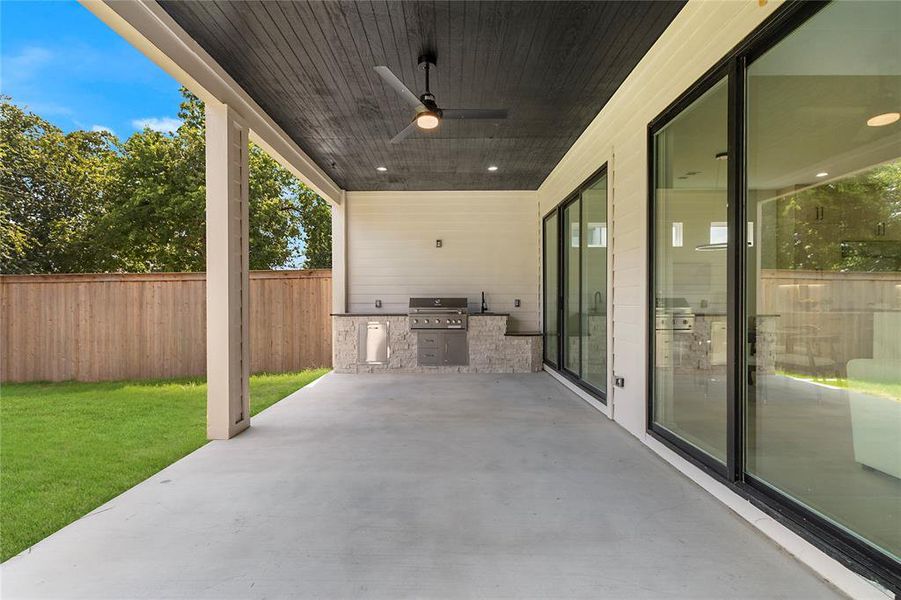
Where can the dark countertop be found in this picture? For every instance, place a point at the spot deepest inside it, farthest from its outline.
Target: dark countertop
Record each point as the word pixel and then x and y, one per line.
pixel 524 333
pixel 381 314
pixel 387 314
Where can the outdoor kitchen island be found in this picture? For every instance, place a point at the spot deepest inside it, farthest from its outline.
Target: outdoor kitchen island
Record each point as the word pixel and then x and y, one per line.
pixel 438 339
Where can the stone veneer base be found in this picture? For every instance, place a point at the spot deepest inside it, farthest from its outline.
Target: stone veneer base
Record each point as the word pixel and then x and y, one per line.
pixel 490 349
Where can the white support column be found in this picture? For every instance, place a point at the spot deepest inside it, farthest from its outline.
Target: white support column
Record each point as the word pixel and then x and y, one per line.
pixel 339 264
pixel 339 255
pixel 227 280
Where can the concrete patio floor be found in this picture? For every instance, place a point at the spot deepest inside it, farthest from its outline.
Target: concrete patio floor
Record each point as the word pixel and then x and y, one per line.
pixel 387 486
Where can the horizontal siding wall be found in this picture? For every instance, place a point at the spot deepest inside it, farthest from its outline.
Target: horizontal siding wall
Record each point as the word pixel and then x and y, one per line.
pixel 699 37
pixel 489 243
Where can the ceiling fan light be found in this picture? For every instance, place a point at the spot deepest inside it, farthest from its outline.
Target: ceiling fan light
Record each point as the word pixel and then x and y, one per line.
pixel 427 120
pixel 883 119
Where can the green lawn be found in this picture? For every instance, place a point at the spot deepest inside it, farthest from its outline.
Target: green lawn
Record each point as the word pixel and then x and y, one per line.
pixel 66 448
pixel 875 388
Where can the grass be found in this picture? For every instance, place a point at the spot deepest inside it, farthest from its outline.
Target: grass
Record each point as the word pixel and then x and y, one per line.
pixel 66 448
pixel 875 388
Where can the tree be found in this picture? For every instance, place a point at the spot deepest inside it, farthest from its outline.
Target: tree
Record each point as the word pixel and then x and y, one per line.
pixel 54 189
pixel 847 236
pixel 316 216
pixel 85 201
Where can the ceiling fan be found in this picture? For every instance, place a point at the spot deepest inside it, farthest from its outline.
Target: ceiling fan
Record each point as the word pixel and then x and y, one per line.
pixel 428 115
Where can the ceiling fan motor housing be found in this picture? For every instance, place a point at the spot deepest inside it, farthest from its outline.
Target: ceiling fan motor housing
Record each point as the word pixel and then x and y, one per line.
pixel 428 101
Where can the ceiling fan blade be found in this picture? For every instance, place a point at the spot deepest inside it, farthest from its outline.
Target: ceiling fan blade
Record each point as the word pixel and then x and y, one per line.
pixel 404 133
pixel 474 113
pixel 398 86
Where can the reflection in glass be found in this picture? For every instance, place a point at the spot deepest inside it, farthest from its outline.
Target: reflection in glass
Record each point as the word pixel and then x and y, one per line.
pixel 551 254
pixel 594 284
pixel 571 329
pixel 690 274
pixel 824 271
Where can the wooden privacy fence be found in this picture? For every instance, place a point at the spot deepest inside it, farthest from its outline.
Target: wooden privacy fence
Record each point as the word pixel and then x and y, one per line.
pixel 96 327
pixel 840 309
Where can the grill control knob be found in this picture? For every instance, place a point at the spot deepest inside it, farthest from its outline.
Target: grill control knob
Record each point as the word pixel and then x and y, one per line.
pixel 416 320
pixel 447 320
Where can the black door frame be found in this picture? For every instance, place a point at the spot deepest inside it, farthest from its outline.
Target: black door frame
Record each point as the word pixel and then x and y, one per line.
pixel 556 351
pixel 562 237
pixel 832 539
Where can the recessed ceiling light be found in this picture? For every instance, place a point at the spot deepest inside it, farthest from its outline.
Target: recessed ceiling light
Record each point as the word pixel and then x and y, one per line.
pixel 883 119
pixel 822 174
pixel 492 168
pixel 381 169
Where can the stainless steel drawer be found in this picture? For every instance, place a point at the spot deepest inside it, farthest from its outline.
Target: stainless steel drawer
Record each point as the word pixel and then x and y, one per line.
pixel 430 356
pixel 430 340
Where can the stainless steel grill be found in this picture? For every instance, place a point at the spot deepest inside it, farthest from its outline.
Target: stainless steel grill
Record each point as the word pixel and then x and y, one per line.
pixel 674 314
pixel 439 313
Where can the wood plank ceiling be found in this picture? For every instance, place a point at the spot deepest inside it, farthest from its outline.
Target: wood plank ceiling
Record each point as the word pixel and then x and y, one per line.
pixel 553 65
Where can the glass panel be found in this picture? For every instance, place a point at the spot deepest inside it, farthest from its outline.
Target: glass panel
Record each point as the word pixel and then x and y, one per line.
pixel 551 254
pixel 571 269
pixel 594 284
pixel 690 274
pixel 824 269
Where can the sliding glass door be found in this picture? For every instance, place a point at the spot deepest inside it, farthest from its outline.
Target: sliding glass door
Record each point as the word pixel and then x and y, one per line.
pixel 551 289
pixel 823 348
pixel 594 285
pixel 775 275
pixel 575 243
pixel 690 294
pixel 571 280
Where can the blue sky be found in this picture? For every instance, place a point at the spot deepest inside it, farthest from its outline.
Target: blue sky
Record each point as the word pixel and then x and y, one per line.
pixel 64 64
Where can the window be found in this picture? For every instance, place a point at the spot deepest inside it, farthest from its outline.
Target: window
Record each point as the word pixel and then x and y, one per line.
pixel 677 235
pixel 719 232
pixel 597 235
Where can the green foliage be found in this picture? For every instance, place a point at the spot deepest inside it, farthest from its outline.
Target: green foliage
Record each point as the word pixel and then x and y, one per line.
pixel 54 190
pixel 87 202
pixel 69 447
pixel 316 215
pixel 843 237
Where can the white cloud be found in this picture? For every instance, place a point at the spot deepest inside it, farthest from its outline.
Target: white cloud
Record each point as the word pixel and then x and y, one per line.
pixel 99 128
pixel 162 124
pixel 24 64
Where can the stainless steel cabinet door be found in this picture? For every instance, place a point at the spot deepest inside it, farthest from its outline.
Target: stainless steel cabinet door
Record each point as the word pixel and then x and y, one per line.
pixel 456 350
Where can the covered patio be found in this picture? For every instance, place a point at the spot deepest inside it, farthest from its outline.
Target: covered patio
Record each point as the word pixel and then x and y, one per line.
pixel 440 486
pixel 499 150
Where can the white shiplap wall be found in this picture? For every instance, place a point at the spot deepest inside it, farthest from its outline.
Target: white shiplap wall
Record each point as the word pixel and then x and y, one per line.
pixel 489 242
pixel 702 33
